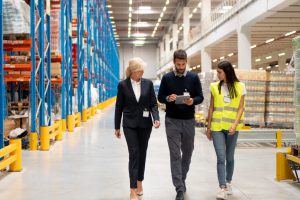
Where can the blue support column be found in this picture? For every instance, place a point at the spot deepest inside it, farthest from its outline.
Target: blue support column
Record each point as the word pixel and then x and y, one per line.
pixel 63 40
pixel 2 91
pixel 80 55
pixel 69 67
pixel 41 49
pixel 33 100
pixel 48 81
pixel 89 56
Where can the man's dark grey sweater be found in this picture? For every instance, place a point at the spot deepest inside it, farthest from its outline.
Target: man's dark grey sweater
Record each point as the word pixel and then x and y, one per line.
pixel 171 84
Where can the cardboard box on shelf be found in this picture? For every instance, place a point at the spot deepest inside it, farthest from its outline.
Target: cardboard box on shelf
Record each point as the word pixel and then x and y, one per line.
pixel 56 69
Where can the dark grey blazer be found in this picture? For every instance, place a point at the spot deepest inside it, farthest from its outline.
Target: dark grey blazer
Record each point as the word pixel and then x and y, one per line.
pixel 132 109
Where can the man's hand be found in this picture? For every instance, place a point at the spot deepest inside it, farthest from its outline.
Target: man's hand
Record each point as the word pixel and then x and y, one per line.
pixel 172 97
pixel 118 133
pixel 156 124
pixel 189 101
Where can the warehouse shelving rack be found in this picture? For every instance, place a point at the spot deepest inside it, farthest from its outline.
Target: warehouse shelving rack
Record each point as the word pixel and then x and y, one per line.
pixel 40 80
pixel 100 68
pixel 2 91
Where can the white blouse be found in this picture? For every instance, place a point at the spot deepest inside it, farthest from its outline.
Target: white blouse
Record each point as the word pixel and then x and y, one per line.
pixel 136 86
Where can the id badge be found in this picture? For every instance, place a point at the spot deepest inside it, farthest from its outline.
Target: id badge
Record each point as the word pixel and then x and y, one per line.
pixel 146 113
pixel 227 99
pixel 186 94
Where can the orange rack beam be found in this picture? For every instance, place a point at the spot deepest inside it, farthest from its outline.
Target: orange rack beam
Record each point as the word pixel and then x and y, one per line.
pixel 16 45
pixel 17 67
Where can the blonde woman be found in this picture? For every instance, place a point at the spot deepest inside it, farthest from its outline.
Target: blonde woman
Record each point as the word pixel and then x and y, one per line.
pixel 136 101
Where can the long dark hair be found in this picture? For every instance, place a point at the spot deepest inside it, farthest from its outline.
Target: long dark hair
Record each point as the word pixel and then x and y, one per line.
pixel 230 78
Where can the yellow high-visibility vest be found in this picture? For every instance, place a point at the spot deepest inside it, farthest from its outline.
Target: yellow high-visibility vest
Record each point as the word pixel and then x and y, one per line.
pixel 225 113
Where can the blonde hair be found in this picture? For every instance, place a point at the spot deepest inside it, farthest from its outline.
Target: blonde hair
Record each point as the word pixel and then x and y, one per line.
pixel 135 64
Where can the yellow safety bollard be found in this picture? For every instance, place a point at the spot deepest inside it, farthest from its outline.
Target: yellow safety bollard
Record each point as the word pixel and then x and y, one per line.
pixel 71 123
pixel 283 170
pixel 17 165
pixel 59 136
pixel 279 139
pixel 84 115
pixel 45 138
pixel 64 125
pixel 78 121
pixel 33 141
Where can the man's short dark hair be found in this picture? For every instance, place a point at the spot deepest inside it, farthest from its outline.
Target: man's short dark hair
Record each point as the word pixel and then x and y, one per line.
pixel 180 54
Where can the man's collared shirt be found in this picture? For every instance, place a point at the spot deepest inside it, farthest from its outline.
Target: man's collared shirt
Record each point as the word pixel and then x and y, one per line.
pixel 136 86
pixel 180 75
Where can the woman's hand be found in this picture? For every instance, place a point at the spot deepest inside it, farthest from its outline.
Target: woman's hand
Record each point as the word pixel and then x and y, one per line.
pixel 208 133
pixel 156 124
pixel 118 133
pixel 232 129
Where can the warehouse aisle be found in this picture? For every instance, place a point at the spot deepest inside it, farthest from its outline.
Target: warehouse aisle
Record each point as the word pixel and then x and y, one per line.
pixel 91 164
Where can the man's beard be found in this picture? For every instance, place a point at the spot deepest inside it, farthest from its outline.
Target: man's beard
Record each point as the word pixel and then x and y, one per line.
pixel 180 71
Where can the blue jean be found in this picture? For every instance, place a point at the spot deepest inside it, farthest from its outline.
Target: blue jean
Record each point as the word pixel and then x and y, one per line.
pixel 224 146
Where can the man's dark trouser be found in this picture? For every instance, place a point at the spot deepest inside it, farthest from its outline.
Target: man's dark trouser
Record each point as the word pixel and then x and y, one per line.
pixel 180 135
pixel 137 143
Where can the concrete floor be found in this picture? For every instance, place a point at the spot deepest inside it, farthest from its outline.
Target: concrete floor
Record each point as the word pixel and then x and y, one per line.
pixel 91 164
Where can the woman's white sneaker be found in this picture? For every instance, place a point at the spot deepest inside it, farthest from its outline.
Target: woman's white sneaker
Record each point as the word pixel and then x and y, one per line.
pixel 222 194
pixel 228 189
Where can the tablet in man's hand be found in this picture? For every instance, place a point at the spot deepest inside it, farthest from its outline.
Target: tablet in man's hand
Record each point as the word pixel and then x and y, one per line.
pixel 181 98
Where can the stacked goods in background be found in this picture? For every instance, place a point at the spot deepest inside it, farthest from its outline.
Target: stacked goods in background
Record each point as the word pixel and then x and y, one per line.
pixel 296 47
pixel 17 62
pixel 16 17
pixel 280 110
pixel 206 79
pixel 255 81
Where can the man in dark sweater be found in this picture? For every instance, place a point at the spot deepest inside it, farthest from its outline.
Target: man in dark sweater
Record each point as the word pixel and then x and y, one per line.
pixel 180 120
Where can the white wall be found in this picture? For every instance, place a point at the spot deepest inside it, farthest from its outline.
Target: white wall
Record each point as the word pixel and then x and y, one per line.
pixel 147 52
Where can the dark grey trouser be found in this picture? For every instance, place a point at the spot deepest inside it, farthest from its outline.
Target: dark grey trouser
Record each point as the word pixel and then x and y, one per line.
pixel 180 135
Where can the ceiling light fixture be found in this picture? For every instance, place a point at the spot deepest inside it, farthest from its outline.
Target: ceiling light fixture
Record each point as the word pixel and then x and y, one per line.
pixel 234 66
pixel 268 57
pixel 199 5
pixel 290 33
pixel 191 15
pixel 231 54
pixel 281 54
pixel 269 67
pixel 143 8
pixel 258 60
pixel 130 2
pixel 161 16
pixel 253 46
pixel 260 68
pixel 195 10
pixel 222 57
pixel 270 40
pixel 108 6
pixel 226 7
pixel 215 60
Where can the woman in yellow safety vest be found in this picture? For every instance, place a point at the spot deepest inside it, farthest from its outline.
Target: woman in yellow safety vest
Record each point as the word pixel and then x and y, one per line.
pixel 225 119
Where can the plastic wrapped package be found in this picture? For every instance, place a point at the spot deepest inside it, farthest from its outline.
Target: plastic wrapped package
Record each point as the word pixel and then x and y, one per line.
pixel 296 58
pixel 16 17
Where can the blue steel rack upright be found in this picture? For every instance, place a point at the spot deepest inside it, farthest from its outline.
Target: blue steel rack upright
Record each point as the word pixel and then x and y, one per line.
pixel 80 54
pixel 63 40
pixel 68 54
pixel 2 91
pixel 89 53
pixel 66 65
pixel 40 94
